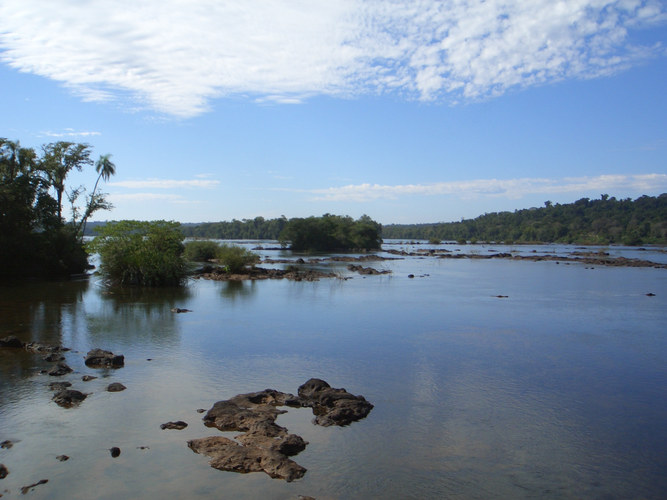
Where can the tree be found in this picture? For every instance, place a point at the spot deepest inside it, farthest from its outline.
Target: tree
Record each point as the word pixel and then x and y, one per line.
pixel 58 160
pixel 105 169
pixel 141 253
pixel 331 232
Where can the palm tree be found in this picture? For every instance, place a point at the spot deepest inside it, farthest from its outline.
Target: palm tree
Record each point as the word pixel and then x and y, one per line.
pixel 105 168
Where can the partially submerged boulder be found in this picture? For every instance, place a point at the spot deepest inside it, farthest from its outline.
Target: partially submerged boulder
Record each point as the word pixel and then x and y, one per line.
pixel 116 387
pixel 68 398
pixel 178 425
pixel 60 369
pixel 333 406
pixel 98 358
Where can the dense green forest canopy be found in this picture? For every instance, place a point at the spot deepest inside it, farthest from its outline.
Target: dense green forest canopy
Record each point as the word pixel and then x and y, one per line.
pixel 604 221
pixel 332 232
pixel 36 240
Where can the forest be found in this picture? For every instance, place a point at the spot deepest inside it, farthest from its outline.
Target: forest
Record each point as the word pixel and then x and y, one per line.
pixel 595 222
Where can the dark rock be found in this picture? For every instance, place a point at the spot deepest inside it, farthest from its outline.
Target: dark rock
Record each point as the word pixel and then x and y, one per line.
pixel 59 386
pixel 333 406
pixel 59 370
pixel 650 294
pixel 366 270
pixel 26 489
pixel 179 310
pixel 36 347
pixel 63 458
pixel 201 410
pixel 178 425
pixel 53 357
pixel 143 448
pixel 115 451
pixel 411 275
pixel 98 358
pixel 68 398
pixel 7 444
pixel 4 472
pixel 501 296
pixel 230 456
pixel 88 378
pixel 116 387
pixel 11 341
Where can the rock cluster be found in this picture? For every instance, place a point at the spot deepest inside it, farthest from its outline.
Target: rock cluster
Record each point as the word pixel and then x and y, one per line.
pixel 264 445
pixel 98 358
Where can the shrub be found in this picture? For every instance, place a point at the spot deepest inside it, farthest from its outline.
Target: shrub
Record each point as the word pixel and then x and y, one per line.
pixel 236 258
pixel 201 251
pixel 141 253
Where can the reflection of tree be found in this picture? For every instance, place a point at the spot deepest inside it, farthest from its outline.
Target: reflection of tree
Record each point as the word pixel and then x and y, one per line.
pixel 236 289
pixel 131 313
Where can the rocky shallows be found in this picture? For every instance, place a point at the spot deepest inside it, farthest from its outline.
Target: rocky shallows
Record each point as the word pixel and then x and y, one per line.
pixel 265 446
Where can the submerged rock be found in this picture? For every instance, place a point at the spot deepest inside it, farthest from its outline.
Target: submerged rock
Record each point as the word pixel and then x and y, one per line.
pixel 59 386
pixel 26 489
pixel 63 458
pixel 4 472
pixel 98 358
pixel 116 387
pixel 69 397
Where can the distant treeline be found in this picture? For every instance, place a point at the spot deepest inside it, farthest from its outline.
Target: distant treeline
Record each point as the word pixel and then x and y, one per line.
pixel 586 221
pixel 258 228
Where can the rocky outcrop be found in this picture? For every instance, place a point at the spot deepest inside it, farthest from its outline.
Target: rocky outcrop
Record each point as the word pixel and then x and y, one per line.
pixel 259 273
pixel 228 455
pixel 366 270
pixel 265 445
pixel 98 358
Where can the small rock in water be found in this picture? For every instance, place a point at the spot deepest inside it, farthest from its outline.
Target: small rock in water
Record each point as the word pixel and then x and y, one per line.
pixel 63 458
pixel 59 386
pixel 6 444
pixel 650 294
pixel 88 378
pixel 116 387
pixel 178 425
pixel 60 369
pixel 98 358
pixel 4 472
pixel 26 489
pixel 115 451
pixel 68 398
pixel 178 310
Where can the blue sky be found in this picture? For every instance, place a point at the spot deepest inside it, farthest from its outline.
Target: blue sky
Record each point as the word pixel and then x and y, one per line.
pixel 406 111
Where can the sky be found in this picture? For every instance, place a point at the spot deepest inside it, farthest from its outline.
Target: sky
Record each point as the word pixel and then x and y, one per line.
pixel 409 111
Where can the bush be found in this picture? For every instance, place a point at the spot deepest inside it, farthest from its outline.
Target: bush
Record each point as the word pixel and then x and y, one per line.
pixel 141 253
pixel 201 251
pixel 236 258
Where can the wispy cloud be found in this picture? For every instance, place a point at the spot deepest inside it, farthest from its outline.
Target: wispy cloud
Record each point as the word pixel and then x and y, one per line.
pixel 176 56
pixel 166 183
pixel 151 197
pixel 509 188
pixel 69 132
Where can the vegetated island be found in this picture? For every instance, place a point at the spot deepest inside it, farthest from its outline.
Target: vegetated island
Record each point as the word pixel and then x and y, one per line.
pixel 642 221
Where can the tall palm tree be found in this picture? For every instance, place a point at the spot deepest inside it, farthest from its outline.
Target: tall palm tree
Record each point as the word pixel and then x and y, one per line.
pixel 105 168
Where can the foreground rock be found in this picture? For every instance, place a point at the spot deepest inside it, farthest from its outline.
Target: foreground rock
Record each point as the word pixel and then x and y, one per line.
pixel 69 397
pixel 98 358
pixel 230 456
pixel 264 445
pixel 60 369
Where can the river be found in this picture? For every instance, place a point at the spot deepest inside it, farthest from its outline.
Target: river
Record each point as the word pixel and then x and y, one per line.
pixel 490 379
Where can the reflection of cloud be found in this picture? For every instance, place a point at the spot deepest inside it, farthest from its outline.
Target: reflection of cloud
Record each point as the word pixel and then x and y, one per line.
pixel 509 188
pixel 175 56
pixel 165 183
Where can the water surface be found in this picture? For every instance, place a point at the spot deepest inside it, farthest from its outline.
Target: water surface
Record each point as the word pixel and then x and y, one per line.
pixel 558 390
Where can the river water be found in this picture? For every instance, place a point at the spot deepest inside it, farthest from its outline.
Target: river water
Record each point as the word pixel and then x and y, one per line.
pixel 556 390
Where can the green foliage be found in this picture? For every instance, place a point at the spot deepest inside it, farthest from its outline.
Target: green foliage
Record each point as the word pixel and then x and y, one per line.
pixel 141 253
pixel 200 251
pixel 236 258
pixel 258 228
pixel 331 232
pixel 603 221
pixel 35 239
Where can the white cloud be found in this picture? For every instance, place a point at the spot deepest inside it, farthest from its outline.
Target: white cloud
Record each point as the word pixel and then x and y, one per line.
pixel 70 133
pixel 118 198
pixel 508 188
pixel 166 183
pixel 175 56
